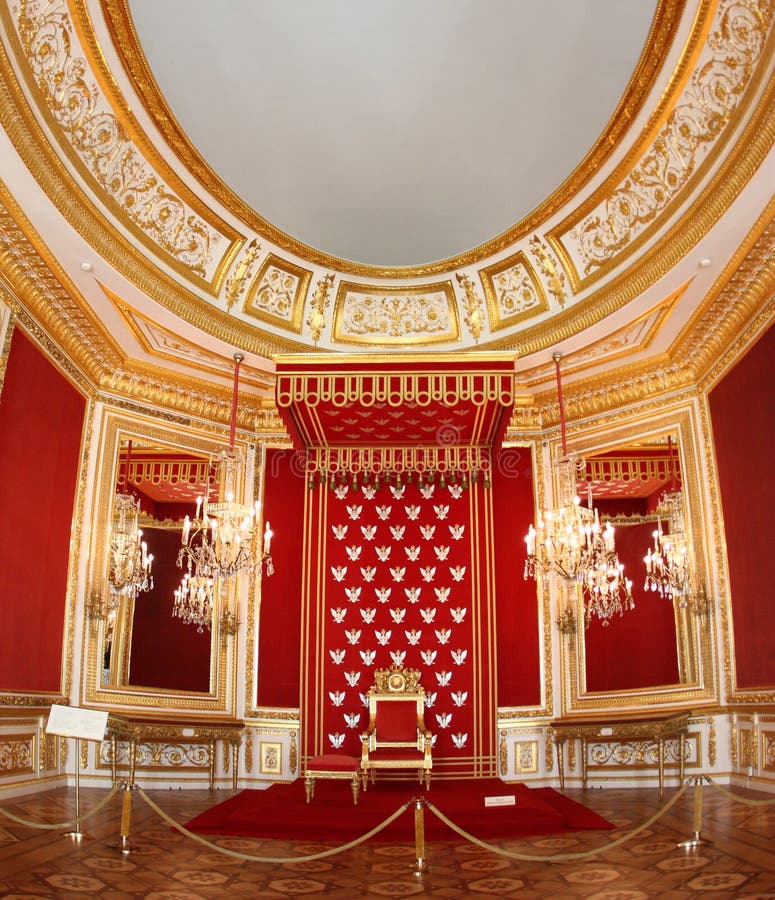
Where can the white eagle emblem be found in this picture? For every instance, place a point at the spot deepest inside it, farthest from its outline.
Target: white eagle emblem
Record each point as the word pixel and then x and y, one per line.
pixel 412 594
pixel 339 572
pixel 352 678
pixel 369 491
pixel 384 512
pixel 354 512
pixel 457 492
pixel 341 491
pixel 458 614
pixel 443 634
pixel 337 656
pixel 412 553
pixel 429 656
pixel 398 532
pixel 337 697
pixel 397 490
pixel 427 531
pixel 459 740
pixel 457 572
pixel 339 531
pixel 368 615
pixel 368 532
pixel 398 615
pixel 443 678
pixel 427 490
pixel 339 614
pixel 398 657
pixel 441 552
pixel 367 656
pixel 428 572
pixel 383 594
pixel 352 719
pixel 428 614
pixel 430 699
pixel 336 740
pixel 459 697
pixel 383 635
pixel 459 656
pixel 383 553
pixel 353 552
pixel 443 719
pixel 368 573
pixel 441 511
pixel 353 635
pixel 442 594
pixel 412 512
pixel 413 636
pixel 398 573
pixel 457 531
pixel 353 594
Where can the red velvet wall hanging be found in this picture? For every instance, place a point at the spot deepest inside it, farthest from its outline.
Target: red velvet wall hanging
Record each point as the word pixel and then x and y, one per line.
pixel 400 574
pixel 519 638
pixel 639 649
pixel 41 422
pixel 285 497
pixel 741 408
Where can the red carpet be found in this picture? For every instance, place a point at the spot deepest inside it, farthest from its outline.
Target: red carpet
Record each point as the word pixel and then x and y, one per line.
pixel 282 812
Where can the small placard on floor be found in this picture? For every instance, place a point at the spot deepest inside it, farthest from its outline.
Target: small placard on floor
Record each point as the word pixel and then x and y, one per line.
pixel 507 800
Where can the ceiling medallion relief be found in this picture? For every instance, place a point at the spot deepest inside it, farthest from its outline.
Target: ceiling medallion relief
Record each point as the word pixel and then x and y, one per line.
pixel 278 294
pixel 631 206
pixel 105 145
pixel 513 291
pixel 398 315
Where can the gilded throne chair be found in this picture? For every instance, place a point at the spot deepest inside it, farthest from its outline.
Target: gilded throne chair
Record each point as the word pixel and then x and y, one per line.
pixel 396 737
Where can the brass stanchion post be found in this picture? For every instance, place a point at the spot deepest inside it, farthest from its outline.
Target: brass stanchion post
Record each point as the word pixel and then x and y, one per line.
pixel 696 840
pixel 126 821
pixel 420 863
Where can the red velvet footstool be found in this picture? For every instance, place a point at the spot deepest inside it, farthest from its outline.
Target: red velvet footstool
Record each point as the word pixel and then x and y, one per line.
pixel 333 765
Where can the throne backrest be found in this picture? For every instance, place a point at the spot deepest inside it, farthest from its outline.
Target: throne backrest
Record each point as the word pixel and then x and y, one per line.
pixel 396 706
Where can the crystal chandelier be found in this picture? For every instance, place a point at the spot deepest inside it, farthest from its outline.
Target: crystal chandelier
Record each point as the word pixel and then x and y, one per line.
pixel 570 544
pixel 130 563
pixel 668 568
pixel 220 542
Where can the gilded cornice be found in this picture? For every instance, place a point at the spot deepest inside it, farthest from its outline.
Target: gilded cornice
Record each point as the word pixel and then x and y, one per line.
pixel 46 167
pixel 659 41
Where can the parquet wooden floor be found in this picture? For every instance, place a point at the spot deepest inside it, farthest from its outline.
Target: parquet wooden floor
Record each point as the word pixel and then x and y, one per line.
pixel 166 865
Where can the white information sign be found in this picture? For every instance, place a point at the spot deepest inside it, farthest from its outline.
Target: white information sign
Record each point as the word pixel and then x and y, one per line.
pixel 74 722
pixel 506 800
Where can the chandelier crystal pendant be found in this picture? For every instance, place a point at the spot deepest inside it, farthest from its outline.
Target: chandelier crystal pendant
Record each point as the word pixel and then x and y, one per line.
pixel 570 544
pixel 220 542
pixel 130 563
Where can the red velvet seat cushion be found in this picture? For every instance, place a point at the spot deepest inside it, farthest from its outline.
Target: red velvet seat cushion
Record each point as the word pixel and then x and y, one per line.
pixel 333 762
pixel 398 753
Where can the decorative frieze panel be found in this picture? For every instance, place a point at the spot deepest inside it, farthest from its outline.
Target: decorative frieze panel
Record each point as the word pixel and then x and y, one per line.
pixel 17 754
pixel 401 315
pixel 595 238
pixel 108 144
pixel 271 758
pixel 526 757
pixel 640 754
pixel 156 755
pixel 513 292
pixel 278 293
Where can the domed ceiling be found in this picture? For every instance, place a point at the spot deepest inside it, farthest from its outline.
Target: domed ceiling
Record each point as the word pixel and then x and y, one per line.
pixel 182 180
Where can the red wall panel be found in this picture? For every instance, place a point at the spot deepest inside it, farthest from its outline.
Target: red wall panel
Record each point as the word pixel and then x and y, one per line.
pixel 41 422
pixel 742 409
pixel 518 638
pixel 279 649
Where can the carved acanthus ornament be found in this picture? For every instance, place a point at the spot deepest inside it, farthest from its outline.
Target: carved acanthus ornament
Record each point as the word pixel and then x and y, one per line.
pixel 319 306
pixel 712 94
pixel 473 307
pixel 99 139
pixel 239 278
pixel 513 291
pixel 279 292
pixel 552 272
